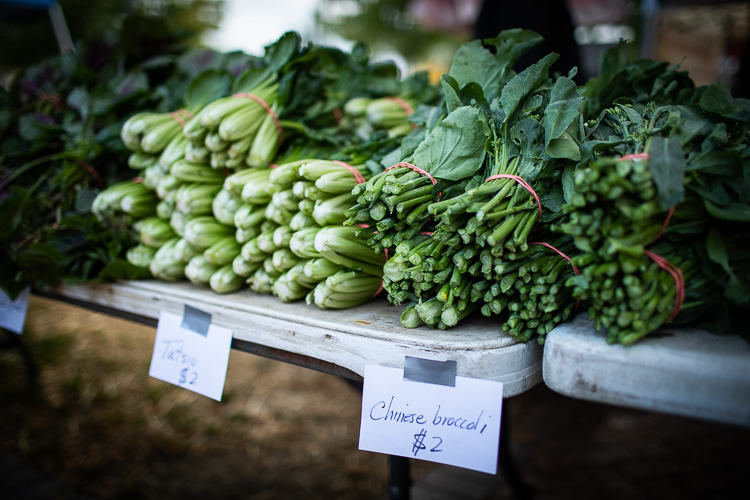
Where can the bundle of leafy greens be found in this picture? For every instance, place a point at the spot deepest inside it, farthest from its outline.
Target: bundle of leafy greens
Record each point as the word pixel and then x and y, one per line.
pixel 660 217
pixel 222 230
pixel 60 123
pixel 488 171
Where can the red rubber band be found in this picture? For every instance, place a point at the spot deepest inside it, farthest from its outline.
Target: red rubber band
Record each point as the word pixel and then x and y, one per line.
pixel 337 115
pixel 636 156
pixel 55 99
pixel 357 175
pixel 90 169
pixel 679 281
pixel 663 226
pixel 416 169
pixel 267 108
pixel 412 167
pixel 522 183
pixel 561 254
pixel 402 103
pixel 180 116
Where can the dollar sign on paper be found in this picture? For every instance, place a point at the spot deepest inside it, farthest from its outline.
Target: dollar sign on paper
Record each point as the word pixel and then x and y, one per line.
pixel 418 442
pixel 183 375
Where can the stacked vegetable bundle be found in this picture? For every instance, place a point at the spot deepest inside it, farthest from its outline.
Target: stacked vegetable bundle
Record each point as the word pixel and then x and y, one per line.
pixel 660 217
pixel 457 214
pixel 276 227
pixel 530 198
pixel 519 195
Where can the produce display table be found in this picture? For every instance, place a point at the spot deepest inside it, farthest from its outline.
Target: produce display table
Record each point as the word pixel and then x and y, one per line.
pixel 684 371
pixel 340 342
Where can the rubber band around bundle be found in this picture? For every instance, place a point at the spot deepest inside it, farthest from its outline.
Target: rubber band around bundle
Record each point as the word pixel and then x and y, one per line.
pixel 523 183
pixel 402 103
pixel 416 169
pixel 55 99
pixel 180 116
pixel 337 115
pixel 663 226
pixel 357 175
pixel 635 156
pixel 267 108
pixel 645 156
pixel 679 281
pixel 674 271
pixel 90 169
pixel 561 254
pixel 558 252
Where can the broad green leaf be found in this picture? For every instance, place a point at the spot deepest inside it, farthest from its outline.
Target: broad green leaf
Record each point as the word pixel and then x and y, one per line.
pixel 251 79
pixel 528 134
pixel 454 149
pixel 279 53
pixel 563 109
pixel 564 147
pixel 36 126
pixel 450 92
pixel 553 199
pixel 206 87
pixel 716 248
pixel 568 183
pixel 472 62
pixel 78 99
pixel 667 165
pixel 524 83
pixel 733 211
pixel 717 98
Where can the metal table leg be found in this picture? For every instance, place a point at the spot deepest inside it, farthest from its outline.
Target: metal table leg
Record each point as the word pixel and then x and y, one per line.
pixel 15 341
pixel 508 467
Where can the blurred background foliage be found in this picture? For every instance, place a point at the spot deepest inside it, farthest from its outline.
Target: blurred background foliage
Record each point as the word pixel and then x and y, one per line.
pixel 152 26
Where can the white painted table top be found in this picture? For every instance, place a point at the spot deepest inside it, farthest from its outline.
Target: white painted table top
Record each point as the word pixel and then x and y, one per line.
pixel 351 338
pixel 686 371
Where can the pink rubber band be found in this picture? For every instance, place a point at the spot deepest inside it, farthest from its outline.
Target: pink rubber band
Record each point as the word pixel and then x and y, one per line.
pixel 679 281
pixel 663 226
pixel 267 108
pixel 402 103
pixel 522 183
pixel 357 175
pixel 416 169
pixel 337 115
pixel 412 167
pixel 180 116
pixel 561 254
pixel 637 156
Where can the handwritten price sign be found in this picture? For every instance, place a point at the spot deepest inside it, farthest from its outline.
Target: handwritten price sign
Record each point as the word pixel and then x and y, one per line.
pixel 451 425
pixel 13 312
pixel 188 359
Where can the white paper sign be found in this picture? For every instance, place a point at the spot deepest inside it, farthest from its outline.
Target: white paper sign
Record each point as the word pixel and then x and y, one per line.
pixel 450 425
pixel 13 312
pixel 188 359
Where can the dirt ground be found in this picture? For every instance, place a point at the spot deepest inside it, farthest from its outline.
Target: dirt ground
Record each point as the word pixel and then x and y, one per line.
pixel 108 430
